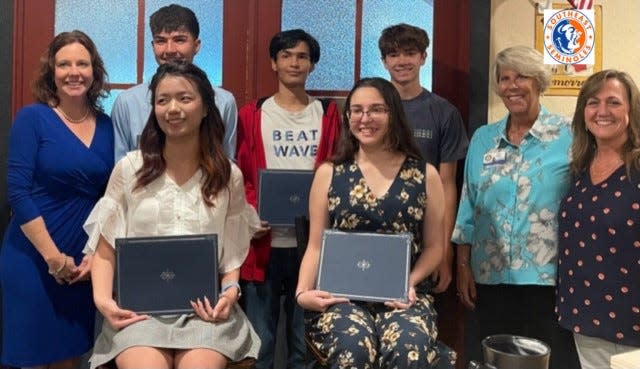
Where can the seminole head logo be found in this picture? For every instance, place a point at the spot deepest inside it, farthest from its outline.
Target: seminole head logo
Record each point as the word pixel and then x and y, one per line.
pixel 569 36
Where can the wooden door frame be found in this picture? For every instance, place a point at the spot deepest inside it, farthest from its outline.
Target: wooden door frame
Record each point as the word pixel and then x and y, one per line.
pixel 33 30
pixel 248 28
pixel 249 25
pixel 253 22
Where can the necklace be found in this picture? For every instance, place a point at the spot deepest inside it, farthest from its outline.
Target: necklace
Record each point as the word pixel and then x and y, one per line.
pixel 71 120
pixel 600 170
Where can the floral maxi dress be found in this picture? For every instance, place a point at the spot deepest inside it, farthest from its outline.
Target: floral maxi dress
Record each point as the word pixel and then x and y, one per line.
pixel 370 335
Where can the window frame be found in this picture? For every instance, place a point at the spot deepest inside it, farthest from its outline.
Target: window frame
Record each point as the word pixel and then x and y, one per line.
pixel 248 27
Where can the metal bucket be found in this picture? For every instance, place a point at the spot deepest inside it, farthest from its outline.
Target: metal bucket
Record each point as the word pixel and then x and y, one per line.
pixel 505 351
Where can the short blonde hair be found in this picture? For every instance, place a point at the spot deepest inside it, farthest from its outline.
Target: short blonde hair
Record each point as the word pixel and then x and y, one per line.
pixel 527 61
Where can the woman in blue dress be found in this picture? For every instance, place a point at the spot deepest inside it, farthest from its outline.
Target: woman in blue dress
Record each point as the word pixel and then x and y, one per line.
pixel 60 159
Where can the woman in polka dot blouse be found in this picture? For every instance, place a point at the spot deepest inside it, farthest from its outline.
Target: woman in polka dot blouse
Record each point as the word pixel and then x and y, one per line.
pixel 599 222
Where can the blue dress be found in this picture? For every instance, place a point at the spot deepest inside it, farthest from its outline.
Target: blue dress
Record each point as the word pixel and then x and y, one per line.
pixel 51 173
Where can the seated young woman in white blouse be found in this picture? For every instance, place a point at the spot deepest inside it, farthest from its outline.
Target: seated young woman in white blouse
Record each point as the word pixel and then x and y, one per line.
pixel 179 182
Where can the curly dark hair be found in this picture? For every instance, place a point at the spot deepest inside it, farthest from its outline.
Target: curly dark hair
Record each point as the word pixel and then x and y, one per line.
pixel 44 87
pixel 215 166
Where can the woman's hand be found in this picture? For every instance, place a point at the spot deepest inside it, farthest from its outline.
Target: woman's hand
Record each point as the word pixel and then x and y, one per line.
pixel 317 300
pixel 466 286
pixel 83 270
pixel 219 313
pixel 63 269
pixel 442 275
pixel 396 304
pixel 265 228
pixel 116 317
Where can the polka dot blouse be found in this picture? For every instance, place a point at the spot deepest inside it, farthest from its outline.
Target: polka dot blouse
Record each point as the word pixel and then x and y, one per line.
pixel 599 258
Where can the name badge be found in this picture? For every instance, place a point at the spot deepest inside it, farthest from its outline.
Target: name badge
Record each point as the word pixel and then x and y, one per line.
pixel 494 157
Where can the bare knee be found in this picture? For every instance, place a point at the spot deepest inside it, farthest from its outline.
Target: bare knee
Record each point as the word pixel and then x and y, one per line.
pixel 145 357
pixel 199 358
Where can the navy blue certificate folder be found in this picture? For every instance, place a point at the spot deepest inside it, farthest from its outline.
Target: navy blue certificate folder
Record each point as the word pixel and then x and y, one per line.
pixel 365 266
pixel 160 275
pixel 283 195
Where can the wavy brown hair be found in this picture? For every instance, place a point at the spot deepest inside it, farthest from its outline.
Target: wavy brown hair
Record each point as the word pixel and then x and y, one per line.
pixel 215 166
pixel 44 87
pixel 402 37
pixel 583 148
pixel 399 137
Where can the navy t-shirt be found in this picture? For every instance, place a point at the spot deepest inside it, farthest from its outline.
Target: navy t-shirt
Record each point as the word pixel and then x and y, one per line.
pixel 437 128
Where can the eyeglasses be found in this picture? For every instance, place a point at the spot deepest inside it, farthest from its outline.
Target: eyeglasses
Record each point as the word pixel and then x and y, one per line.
pixel 374 112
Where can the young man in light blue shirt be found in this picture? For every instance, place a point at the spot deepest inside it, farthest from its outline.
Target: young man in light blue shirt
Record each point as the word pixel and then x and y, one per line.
pixel 175 31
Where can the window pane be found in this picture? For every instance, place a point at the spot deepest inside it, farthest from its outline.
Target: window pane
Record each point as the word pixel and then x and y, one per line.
pixel 107 103
pixel 379 14
pixel 332 23
pixel 209 58
pixel 114 35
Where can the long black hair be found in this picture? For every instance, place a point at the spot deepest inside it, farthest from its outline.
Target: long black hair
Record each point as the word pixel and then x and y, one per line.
pixel 213 162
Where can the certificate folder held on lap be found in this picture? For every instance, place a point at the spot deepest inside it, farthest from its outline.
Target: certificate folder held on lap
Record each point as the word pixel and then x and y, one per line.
pixel 160 275
pixel 283 195
pixel 365 266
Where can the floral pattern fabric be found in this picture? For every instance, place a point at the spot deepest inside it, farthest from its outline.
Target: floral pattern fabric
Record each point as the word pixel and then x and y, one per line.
pixel 510 199
pixel 353 207
pixel 371 335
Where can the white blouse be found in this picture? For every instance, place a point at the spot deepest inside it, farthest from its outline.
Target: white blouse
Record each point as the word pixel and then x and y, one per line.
pixel 163 208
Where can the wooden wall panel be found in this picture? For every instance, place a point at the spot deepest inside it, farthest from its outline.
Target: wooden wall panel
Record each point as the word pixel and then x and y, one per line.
pixel 33 30
pixel 248 28
pixel 451 80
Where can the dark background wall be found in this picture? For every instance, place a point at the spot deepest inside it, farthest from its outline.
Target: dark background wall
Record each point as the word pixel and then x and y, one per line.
pixel 479 63
pixel 480 30
pixel 6 33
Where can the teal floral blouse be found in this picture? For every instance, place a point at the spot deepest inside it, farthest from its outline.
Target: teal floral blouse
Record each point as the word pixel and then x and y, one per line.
pixel 510 198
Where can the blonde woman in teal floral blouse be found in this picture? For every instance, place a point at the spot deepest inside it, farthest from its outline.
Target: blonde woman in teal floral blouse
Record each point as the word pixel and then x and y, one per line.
pixel 377 182
pixel 516 172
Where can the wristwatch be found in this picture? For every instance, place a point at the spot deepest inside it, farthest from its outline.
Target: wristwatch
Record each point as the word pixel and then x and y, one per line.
pixel 233 284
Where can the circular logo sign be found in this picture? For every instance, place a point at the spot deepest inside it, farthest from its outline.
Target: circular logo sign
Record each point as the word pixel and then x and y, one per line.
pixel 569 36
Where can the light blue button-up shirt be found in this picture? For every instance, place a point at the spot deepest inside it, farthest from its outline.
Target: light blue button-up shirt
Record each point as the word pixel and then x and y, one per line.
pixel 510 199
pixel 131 111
